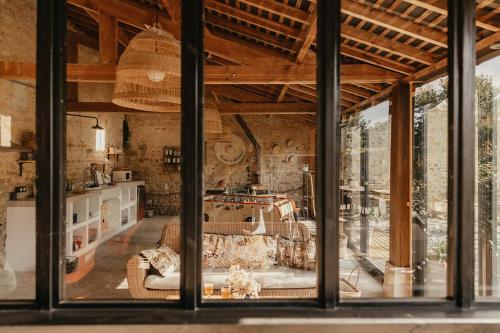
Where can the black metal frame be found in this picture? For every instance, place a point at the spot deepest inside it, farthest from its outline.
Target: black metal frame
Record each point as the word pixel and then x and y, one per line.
pixel 50 309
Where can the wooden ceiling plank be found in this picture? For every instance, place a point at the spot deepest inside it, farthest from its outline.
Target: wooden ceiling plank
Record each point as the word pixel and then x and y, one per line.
pixel 370 39
pixel 279 9
pixel 375 59
pixel 394 22
pixel 245 16
pixel 248 32
pixel 442 9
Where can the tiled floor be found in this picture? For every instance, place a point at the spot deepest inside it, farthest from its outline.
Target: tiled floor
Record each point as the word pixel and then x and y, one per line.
pixel 107 279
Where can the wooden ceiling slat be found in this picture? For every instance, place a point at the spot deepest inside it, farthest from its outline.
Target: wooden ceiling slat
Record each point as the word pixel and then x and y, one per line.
pixel 385 44
pixel 258 21
pixel 279 9
pixel 394 22
pixel 248 32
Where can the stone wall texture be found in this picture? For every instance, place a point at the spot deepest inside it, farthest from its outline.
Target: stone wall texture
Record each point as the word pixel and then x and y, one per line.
pixel 17 99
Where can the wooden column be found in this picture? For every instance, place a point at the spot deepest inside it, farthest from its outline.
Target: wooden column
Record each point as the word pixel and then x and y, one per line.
pixel 401 176
pixel 108 39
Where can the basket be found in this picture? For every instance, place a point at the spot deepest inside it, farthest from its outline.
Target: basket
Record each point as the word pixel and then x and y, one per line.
pixel 349 290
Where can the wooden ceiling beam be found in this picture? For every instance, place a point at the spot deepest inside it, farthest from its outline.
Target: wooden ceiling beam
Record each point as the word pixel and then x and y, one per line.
pixel 258 35
pixel 138 15
pixel 299 74
pixel 308 36
pixel 250 18
pixel 375 59
pixel 238 94
pixel 216 75
pixel 395 23
pixel 224 108
pixel 82 38
pixel 267 108
pixel 279 9
pixel 355 90
pixel 424 74
pixel 173 8
pixel 371 39
pixel 108 39
pixel 442 8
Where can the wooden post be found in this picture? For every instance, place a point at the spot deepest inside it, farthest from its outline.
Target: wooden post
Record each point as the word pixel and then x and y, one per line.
pixel 108 39
pixel 401 176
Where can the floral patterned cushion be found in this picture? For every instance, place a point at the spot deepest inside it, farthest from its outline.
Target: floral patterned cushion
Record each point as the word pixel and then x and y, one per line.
pixel 255 251
pixel 297 254
pixel 163 259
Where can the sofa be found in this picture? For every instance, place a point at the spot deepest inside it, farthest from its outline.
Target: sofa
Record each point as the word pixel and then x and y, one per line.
pixel 278 280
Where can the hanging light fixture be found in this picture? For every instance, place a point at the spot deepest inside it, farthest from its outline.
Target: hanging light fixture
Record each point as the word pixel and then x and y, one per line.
pixel 148 72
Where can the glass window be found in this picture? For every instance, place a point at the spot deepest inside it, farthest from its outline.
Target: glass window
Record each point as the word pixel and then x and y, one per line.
pixel 487 245
pixel 122 227
pixel 259 234
pixel 17 152
pixel 393 186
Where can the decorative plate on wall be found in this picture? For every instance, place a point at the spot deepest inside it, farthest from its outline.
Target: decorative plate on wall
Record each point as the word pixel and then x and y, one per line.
pixel 230 153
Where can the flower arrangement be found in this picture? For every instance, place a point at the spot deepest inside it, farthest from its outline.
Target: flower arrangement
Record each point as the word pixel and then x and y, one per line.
pixel 242 283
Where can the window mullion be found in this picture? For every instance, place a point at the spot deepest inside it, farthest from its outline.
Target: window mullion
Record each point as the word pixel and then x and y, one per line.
pixel 328 150
pixel 461 66
pixel 192 149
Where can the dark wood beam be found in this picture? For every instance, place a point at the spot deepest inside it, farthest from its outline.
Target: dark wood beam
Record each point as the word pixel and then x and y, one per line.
pixel 173 8
pixel 108 39
pixel 400 239
pixel 224 108
pixel 216 75
pixel 267 108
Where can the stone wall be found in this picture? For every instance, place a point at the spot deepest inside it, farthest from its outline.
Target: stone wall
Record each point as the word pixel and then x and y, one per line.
pixel 151 132
pixel 281 167
pixel 17 99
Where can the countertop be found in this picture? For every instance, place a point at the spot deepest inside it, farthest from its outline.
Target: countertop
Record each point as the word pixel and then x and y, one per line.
pixel 31 201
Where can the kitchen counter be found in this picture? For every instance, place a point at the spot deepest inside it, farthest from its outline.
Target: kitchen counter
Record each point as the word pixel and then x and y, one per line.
pixel 31 201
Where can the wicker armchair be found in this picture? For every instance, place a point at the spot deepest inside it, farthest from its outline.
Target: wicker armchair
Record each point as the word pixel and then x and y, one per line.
pixel 137 271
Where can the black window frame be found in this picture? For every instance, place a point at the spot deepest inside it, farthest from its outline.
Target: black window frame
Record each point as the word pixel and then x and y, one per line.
pixel 49 308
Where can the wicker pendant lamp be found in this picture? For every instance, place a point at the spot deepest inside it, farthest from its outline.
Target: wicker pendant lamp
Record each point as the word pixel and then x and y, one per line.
pixel 148 72
pixel 212 119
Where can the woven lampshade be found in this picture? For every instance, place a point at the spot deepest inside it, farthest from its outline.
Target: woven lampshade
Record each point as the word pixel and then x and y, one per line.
pixel 213 122
pixel 148 73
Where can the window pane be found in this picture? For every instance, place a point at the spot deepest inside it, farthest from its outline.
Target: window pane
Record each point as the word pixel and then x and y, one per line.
pixel 259 237
pixel 122 228
pixel 487 113
pixel 17 153
pixel 393 213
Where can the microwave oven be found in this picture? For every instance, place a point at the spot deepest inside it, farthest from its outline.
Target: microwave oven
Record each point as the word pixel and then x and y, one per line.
pixel 122 176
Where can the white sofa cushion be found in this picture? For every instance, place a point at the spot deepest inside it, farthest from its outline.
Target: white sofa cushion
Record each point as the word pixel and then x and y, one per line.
pixel 273 278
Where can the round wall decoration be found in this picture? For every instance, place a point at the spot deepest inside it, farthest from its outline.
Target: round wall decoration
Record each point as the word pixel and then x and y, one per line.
pixel 230 153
